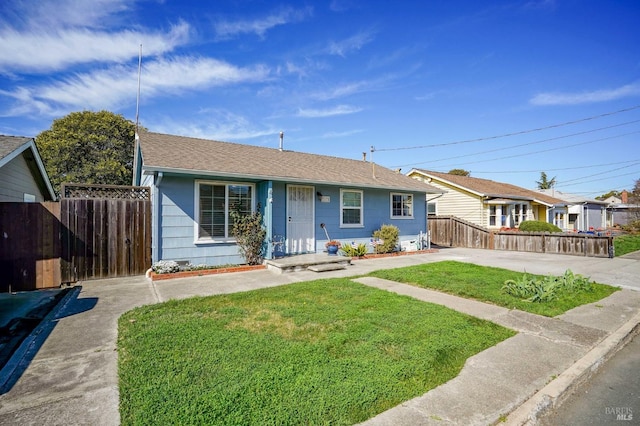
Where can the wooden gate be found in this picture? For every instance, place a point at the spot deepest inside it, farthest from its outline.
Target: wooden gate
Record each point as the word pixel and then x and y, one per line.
pixel 30 246
pixel 96 231
pixel 106 231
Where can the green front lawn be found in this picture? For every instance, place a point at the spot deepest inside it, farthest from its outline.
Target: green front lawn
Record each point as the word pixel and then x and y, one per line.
pixel 626 244
pixel 485 284
pixel 323 352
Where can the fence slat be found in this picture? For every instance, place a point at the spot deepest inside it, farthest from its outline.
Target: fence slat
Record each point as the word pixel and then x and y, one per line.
pixel 454 232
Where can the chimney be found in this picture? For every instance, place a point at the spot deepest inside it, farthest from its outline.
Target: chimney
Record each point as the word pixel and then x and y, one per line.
pixel 281 140
pixel 624 196
pixel 364 156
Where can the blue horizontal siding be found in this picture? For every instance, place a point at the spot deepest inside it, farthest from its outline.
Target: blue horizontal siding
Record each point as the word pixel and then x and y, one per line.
pixel 176 221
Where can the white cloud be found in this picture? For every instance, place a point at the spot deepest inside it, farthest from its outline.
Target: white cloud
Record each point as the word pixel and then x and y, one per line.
pixel 341 91
pixel 355 42
pixel 218 124
pixel 586 97
pixel 46 51
pixel 334 135
pixel 229 29
pixel 329 112
pixel 57 14
pixel 117 86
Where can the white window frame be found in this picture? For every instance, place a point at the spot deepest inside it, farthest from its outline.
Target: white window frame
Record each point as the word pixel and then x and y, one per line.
pixel 435 208
pixel 196 220
pixel 401 194
pixel 342 208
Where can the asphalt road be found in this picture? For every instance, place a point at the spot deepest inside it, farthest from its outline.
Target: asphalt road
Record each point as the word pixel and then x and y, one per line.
pixel 611 397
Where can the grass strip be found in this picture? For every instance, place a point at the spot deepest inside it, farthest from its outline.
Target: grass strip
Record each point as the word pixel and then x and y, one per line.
pixel 322 352
pixel 626 244
pixel 485 284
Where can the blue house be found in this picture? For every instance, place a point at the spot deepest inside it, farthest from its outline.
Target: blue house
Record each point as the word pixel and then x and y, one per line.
pixel 195 182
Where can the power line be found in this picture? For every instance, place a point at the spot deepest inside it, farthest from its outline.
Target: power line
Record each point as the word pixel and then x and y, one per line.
pixel 522 132
pixel 554 170
pixel 594 180
pixel 598 174
pixel 528 143
pixel 526 153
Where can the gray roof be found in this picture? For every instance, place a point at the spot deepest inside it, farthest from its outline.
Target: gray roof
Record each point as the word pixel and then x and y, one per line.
pixel 571 198
pixel 8 144
pixel 12 146
pixel 185 155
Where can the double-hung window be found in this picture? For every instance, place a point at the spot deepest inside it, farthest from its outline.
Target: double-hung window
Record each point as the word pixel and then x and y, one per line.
pixel 214 204
pixel 351 202
pixel 401 206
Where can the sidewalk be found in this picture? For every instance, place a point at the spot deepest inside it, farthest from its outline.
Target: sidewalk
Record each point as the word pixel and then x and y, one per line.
pixel 66 373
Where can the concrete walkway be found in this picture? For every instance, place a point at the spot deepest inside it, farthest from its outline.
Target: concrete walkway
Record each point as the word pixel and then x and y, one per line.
pixel 66 372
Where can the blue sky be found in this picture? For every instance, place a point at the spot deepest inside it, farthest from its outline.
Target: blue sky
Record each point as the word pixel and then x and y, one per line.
pixel 504 89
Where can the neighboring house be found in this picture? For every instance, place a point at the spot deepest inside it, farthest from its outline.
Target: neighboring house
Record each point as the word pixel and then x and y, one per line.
pixel 22 174
pixel 620 211
pixel 196 182
pixel 487 203
pixel 583 214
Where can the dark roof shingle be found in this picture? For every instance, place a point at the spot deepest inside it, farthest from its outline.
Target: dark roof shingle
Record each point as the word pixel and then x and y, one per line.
pixel 161 152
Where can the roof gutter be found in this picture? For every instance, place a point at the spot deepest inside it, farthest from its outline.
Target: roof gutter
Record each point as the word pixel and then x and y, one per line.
pixel 244 176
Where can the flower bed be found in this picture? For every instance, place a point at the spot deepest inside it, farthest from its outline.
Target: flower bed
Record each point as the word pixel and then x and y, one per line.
pixel 202 272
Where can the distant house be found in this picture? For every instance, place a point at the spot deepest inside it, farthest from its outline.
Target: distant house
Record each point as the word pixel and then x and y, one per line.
pixel 619 211
pixel 487 203
pixel 196 182
pixel 583 214
pixel 23 177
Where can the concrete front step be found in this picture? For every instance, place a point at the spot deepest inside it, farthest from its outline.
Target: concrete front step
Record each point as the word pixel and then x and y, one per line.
pixel 312 262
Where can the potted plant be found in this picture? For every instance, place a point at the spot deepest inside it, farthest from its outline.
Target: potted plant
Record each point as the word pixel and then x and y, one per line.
pixel 332 247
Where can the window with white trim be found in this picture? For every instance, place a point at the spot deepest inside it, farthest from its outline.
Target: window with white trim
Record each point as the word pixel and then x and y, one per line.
pixel 214 203
pixel 401 206
pixel 351 208
pixel 432 208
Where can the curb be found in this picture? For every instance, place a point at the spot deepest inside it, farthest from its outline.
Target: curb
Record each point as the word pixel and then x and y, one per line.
pixel 32 342
pixel 557 391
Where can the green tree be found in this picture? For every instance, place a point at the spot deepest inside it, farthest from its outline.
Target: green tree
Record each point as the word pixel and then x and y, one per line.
pixel 613 193
pixel 544 182
pixel 88 147
pixel 459 172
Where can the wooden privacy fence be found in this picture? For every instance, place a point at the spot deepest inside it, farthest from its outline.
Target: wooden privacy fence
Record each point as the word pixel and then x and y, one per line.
pixel 30 246
pixel 43 245
pixel 451 231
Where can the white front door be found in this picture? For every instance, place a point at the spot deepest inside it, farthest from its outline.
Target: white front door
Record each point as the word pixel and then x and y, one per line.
pixel 300 219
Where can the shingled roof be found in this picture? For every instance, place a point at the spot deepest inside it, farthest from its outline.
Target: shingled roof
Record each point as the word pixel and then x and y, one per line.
pixel 8 144
pixel 185 155
pixel 490 188
pixel 13 146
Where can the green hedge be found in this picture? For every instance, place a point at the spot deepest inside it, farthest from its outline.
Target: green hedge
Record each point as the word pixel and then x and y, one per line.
pixel 538 226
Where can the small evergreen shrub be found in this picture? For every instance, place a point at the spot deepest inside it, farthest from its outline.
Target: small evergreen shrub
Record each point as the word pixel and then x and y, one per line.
pixel 538 226
pixel 389 235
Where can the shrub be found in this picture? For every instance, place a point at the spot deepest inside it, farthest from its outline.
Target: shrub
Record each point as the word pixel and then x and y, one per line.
pixel 538 226
pixel 165 267
pixel 354 250
pixel 547 289
pixel 250 235
pixel 389 235
pixel 632 227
